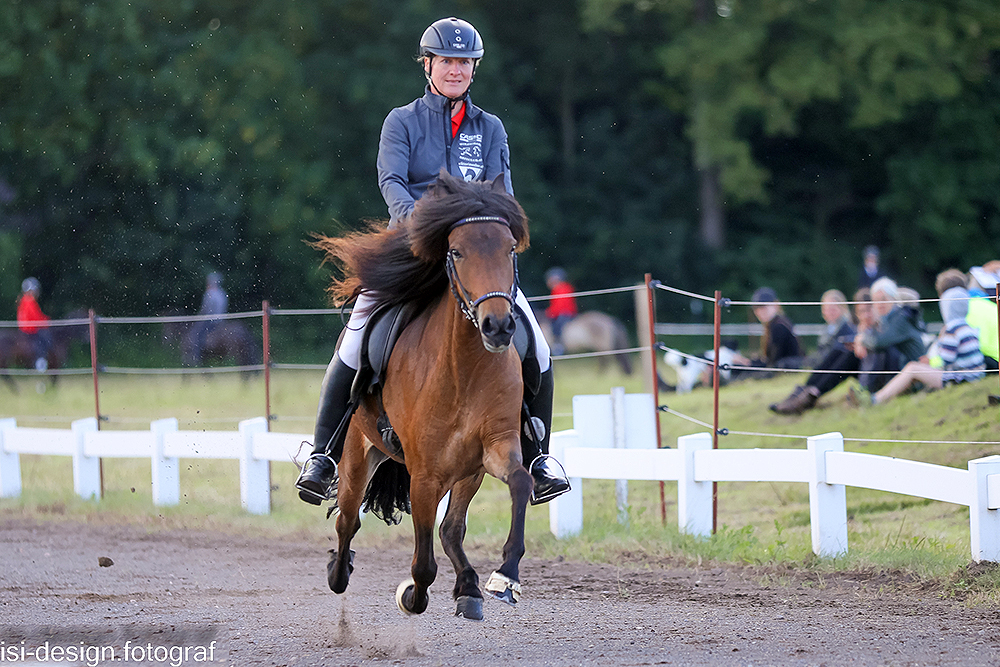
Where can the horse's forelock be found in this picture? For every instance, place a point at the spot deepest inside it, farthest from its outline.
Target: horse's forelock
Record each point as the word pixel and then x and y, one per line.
pixel 452 199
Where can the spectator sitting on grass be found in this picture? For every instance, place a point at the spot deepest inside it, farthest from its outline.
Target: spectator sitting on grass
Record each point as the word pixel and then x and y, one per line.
pixel 983 311
pixel 839 362
pixel 958 346
pixel 779 347
pixel 896 339
pixel 839 325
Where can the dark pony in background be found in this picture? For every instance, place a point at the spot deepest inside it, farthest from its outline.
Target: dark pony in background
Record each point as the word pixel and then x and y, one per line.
pixel 17 349
pixel 452 389
pixel 227 341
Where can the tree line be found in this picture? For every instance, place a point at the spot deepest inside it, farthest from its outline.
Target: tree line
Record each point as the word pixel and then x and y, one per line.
pixel 717 144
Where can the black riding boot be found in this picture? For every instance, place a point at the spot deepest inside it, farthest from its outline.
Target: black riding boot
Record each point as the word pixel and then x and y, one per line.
pixel 547 473
pixel 318 479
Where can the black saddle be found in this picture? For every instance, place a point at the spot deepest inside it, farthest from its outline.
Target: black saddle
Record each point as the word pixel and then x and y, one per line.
pixel 384 327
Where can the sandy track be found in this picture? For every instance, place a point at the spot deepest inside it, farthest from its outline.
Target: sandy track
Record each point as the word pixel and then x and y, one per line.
pixel 265 602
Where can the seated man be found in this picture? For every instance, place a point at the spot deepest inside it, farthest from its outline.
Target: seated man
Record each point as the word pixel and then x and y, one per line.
pixel 958 345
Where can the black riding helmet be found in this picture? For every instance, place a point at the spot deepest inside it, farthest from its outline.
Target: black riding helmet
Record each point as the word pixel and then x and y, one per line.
pixel 452 38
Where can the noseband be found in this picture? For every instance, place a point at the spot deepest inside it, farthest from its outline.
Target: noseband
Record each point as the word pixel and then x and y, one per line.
pixel 462 296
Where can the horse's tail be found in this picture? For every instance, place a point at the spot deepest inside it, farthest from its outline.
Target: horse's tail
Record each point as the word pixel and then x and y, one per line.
pixel 388 492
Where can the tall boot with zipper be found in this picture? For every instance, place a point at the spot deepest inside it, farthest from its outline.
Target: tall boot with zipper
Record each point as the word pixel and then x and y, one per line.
pixel 548 474
pixel 318 479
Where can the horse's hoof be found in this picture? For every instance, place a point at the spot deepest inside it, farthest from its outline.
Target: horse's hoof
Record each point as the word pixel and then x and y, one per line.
pixel 400 590
pixel 331 571
pixel 503 588
pixel 469 607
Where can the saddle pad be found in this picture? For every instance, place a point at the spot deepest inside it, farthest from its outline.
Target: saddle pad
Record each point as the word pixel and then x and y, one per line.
pixel 524 343
pixel 386 325
pixel 383 330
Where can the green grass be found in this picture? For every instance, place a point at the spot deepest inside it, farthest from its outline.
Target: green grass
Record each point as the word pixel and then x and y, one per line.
pixel 760 524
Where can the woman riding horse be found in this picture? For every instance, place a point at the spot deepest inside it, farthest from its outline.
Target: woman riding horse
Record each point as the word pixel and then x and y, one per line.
pixel 33 323
pixel 451 391
pixel 442 130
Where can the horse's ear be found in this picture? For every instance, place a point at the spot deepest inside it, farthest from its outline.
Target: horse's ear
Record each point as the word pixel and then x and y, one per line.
pixel 443 184
pixel 499 183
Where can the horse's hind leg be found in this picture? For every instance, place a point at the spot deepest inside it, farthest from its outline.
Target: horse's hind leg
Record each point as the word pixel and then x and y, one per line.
pixel 350 492
pixel 425 494
pixel 504 584
pixel 469 600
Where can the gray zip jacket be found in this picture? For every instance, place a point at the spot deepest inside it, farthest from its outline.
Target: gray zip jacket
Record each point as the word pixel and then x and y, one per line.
pixel 416 143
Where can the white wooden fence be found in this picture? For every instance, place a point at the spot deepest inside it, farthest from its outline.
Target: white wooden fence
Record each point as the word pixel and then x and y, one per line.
pixel 163 444
pixel 823 465
pixel 600 423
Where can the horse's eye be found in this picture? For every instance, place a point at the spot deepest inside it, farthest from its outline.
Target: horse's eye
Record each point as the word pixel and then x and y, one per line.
pixel 455 254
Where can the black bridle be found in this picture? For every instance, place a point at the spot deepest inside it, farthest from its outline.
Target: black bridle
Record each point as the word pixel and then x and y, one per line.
pixel 462 296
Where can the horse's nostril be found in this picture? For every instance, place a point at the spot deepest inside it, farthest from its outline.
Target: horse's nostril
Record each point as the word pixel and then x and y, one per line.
pixel 488 325
pixel 509 325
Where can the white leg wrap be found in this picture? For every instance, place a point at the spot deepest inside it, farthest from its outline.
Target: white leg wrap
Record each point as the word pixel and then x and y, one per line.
pixel 499 584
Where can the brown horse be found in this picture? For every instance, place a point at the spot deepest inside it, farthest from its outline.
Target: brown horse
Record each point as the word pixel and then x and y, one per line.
pixel 452 389
pixel 17 349
pixel 225 341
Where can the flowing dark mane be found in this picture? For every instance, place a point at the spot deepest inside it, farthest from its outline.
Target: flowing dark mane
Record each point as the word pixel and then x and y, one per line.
pixel 406 263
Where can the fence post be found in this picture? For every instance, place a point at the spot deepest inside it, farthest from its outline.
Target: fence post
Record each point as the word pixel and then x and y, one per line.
pixel 618 442
pixel 86 469
pixel 566 511
pixel 827 502
pixel 255 474
pixel 166 471
pixel 266 359
pixel 984 511
pixel 655 378
pixel 694 498
pixel 10 464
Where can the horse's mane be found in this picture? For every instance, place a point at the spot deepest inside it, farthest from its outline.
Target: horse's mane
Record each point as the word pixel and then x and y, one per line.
pixel 406 263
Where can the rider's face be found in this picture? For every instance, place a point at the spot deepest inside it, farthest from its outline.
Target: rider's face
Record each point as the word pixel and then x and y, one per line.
pixel 451 76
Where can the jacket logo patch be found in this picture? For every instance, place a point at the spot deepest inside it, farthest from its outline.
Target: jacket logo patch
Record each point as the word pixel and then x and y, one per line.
pixel 470 156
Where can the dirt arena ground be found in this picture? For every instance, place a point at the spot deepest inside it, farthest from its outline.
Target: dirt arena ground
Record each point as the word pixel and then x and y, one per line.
pixel 265 602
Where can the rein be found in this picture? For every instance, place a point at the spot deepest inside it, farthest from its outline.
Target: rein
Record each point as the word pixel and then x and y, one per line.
pixel 465 302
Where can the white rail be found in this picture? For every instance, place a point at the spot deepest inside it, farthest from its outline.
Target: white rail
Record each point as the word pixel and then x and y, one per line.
pixel 625 423
pixel 823 465
pixel 163 444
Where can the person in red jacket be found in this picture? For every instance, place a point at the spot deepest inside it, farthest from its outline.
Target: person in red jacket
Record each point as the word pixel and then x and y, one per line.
pixel 562 307
pixel 33 323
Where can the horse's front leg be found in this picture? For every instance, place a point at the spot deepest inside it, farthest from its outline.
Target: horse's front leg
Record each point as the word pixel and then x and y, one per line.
pixel 425 494
pixel 468 598
pixel 505 464
pixel 350 492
